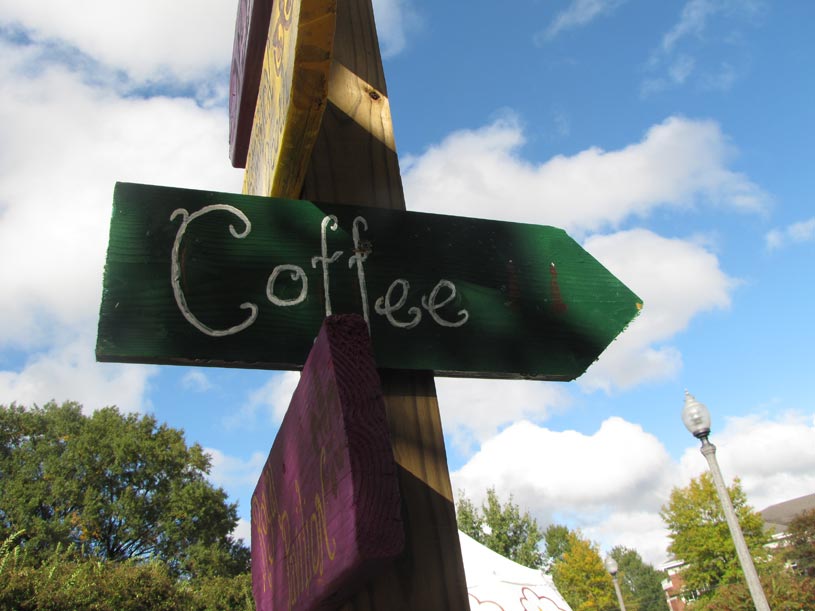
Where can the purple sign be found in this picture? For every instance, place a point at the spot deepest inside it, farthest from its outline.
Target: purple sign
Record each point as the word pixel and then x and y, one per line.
pixel 326 513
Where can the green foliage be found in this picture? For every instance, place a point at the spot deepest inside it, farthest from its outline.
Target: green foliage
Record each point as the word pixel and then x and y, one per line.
pixel 502 528
pixel 581 577
pixel 222 594
pixel 785 591
pixel 469 518
pixel 641 583
pixel 117 486
pixel 557 541
pixel 67 580
pixel 112 511
pixel 699 534
pixel 800 550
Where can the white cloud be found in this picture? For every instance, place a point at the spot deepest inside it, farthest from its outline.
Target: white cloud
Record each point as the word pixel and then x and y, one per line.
pixel 65 144
pixel 569 477
pixel 681 69
pixel 689 39
pixel 68 372
pixel 474 410
pixel 575 474
pixel 272 400
pixel 150 39
pixel 196 380
pixel 677 280
pixel 692 21
pixel 238 476
pixel 722 79
pixel 230 472
pixel 395 21
pixel 643 531
pixel 802 231
pixel 579 13
pixel 243 531
pixel 153 41
pixel 679 163
pixel 612 483
pixel 696 16
pixel 773 456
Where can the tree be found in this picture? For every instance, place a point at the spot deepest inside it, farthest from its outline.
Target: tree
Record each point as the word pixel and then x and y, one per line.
pixel 800 549
pixel 469 518
pixel 581 577
pixel 556 538
pixel 641 583
pixel 785 590
pixel 118 486
pixel 502 528
pixel 699 534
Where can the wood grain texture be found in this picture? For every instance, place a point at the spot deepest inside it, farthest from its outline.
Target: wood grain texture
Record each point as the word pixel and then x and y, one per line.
pixel 292 96
pixel 357 119
pixel 350 165
pixel 326 512
pixel 429 575
pixel 251 31
pixel 524 300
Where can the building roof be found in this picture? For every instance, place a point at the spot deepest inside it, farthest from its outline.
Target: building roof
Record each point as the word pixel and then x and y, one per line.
pixel 779 516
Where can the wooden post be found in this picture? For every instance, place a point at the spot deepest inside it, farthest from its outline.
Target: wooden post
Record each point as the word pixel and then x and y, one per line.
pixel 354 158
pixel 354 161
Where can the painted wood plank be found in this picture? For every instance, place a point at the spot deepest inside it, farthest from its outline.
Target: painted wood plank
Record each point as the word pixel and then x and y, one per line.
pixel 251 31
pixel 430 574
pixel 291 97
pixel 195 277
pixel 326 509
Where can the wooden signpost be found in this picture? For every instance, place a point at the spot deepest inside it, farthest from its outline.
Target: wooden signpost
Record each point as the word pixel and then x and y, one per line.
pixel 251 29
pixel 236 280
pixel 209 278
pixel 326 512
pixel 292 84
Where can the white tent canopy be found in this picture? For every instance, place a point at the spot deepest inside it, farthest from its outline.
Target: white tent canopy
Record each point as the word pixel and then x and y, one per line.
pixel 495 583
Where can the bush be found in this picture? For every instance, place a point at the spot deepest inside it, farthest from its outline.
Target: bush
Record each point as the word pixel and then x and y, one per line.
pixel 67 580
pixel 222 593
pixel 89 585
pixel 785 591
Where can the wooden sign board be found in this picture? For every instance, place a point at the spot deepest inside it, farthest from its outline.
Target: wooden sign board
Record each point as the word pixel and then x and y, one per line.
pixel 251 31
pixel 277 90
pixel 221 279
pixel 291 96
pixel 326 509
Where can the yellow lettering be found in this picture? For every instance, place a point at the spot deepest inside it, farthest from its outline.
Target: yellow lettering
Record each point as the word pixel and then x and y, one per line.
pixel 305 538
pixel 321 511
pixel 316 548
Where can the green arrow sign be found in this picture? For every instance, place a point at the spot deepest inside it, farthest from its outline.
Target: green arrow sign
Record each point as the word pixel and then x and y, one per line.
pixel 220 279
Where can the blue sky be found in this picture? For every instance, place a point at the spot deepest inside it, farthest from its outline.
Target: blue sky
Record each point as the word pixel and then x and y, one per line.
pixel 673 139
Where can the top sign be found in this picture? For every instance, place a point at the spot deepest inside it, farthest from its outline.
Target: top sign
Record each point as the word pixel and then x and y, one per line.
pixel 251 30
pixel 221 279
pixel 279 84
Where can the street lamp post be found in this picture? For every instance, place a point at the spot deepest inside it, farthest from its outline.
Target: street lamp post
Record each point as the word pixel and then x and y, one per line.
pixel 611 567
pixel 697 420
